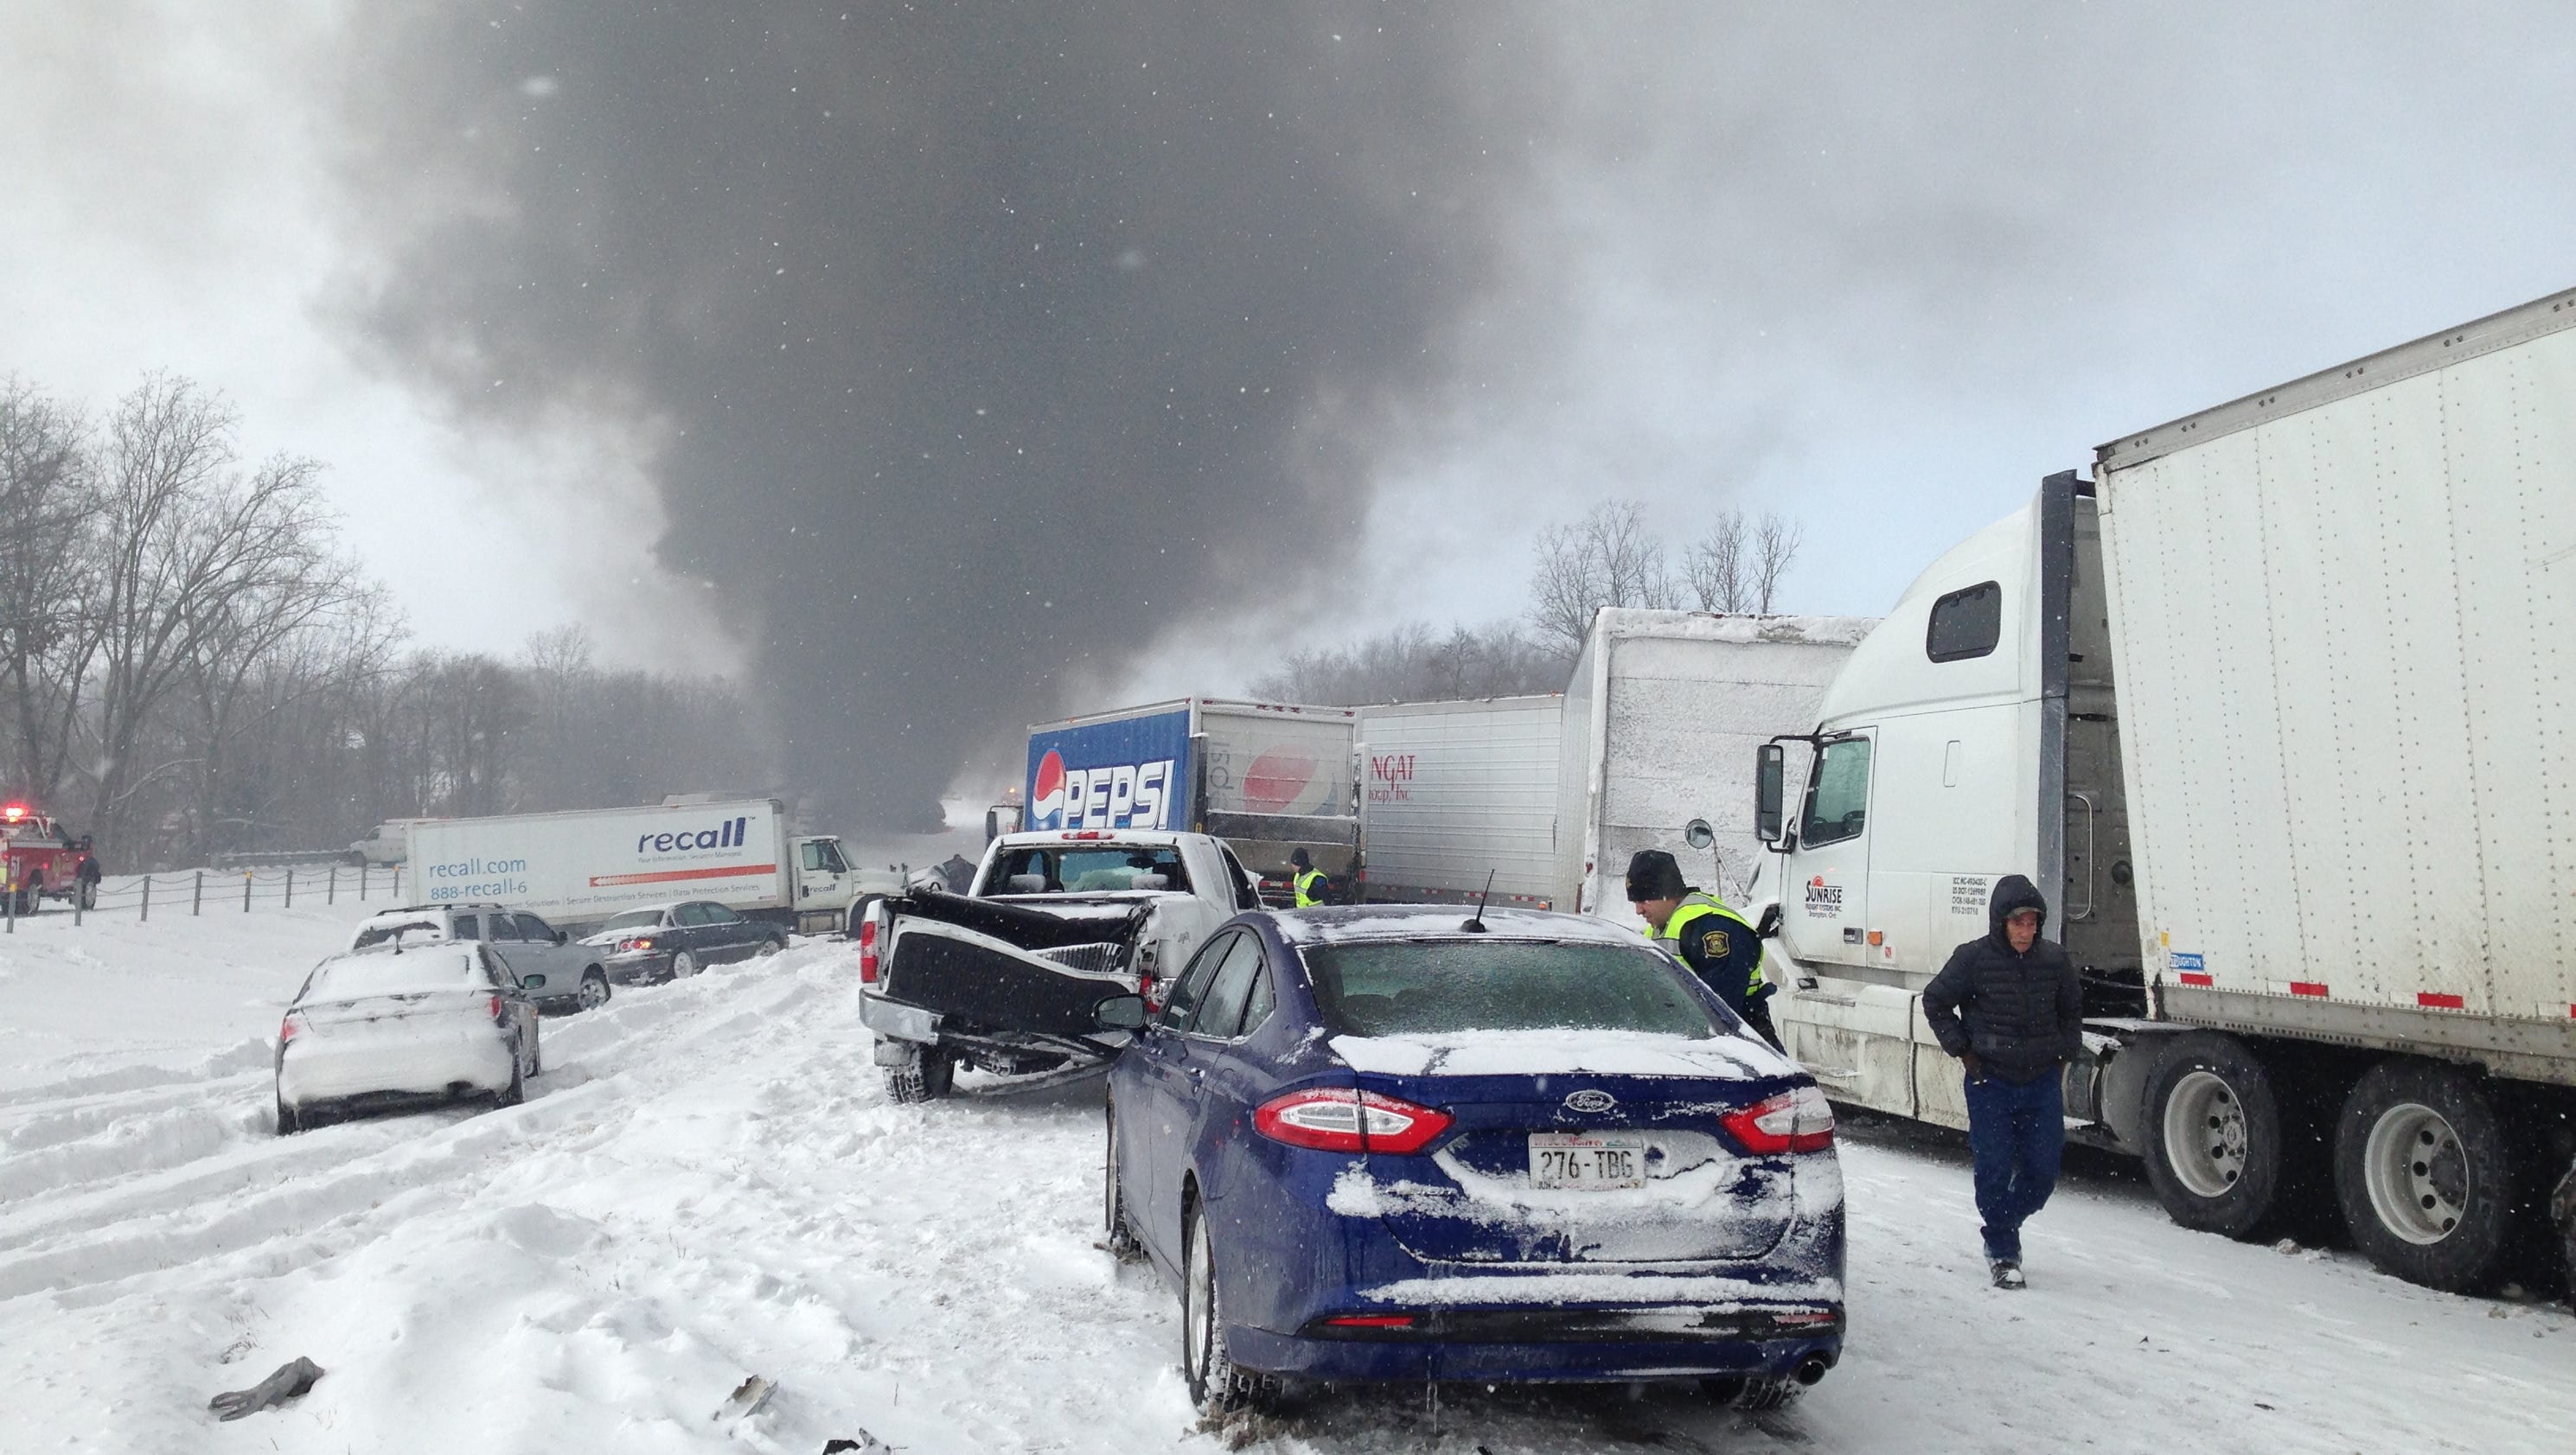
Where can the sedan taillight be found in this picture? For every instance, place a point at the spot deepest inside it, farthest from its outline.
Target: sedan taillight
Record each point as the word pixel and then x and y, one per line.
pixel 1794 1121
pixel 634 943
pixel 1342 1119
pixel 492 1006
pixel 868 951
pixel 286 1028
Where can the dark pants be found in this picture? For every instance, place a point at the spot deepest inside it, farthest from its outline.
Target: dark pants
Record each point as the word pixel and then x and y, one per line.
pixel 1758 1016
pixel 2016 1130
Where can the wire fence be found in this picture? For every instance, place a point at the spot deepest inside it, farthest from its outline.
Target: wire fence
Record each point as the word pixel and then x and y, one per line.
pixel 202 892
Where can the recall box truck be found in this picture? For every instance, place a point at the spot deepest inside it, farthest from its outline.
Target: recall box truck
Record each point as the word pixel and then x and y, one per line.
pixel 2279 711
pixel 580 867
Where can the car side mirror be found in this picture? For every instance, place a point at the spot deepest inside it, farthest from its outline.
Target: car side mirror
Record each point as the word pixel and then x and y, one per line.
pixel 1770 791
pixel 532 982
pixel 563 937
pixel 1120 1013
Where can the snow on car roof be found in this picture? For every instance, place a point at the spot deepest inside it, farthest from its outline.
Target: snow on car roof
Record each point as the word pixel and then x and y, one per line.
pixel 1418 921
pixel 381 970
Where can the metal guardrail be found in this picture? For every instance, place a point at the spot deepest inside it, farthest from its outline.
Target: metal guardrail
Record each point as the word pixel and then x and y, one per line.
pixel 199 892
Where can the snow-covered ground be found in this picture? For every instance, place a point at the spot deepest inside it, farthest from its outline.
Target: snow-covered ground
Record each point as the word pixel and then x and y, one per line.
pixel 707 1184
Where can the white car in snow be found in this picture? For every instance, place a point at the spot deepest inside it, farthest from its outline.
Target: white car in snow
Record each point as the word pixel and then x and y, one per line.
pixel 389 1027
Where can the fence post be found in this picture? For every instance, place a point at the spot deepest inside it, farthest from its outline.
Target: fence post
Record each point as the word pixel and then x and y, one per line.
pixel 76 902
pixel 197 896
pixel 331 889
pixel 147 900
pixel 397 894
pixel 290 886
pixel 246 891
pixel 9 892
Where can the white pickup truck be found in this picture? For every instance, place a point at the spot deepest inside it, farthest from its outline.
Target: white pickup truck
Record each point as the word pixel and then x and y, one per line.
pixel 1012 976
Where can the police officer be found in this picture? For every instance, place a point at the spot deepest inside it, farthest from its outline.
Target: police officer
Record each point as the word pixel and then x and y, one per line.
pixel 1306 879
pixel 1712 939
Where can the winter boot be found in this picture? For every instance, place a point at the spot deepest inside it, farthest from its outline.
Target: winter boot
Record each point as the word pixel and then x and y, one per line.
pixel 2007 1272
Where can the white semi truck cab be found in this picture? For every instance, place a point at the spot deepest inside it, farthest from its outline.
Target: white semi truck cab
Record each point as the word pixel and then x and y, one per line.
pixel 2275 710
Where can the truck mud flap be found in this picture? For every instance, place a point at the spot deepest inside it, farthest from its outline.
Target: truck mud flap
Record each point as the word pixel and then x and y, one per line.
pixel 975 981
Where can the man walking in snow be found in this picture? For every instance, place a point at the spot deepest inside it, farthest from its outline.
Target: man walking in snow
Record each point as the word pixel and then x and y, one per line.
pixel 1716 942
pixel 2010 1007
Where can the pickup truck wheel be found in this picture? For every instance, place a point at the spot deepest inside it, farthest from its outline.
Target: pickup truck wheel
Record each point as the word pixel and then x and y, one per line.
pixel 2425 1175
pixel 594 989
pixel 1215 1385
pixel 1122 1238
pixel 2214 1146
pixel 927 1074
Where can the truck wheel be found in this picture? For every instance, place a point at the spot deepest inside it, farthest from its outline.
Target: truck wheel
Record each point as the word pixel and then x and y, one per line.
pixel 87 894
pixel 2214 1146
pixel 1122 1237
pixel 31 898
pixel 2425 1175
pixel 927 1074
pixel 859 911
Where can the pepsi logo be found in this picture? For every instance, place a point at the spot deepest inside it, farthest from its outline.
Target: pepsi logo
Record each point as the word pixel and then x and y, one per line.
pixel 1277 780
pixel 1110 796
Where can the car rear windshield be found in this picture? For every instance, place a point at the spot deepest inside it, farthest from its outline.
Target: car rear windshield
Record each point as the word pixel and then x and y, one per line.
pixel 382 972
pixel 1427 987
pixel 414 931
pixel 635 919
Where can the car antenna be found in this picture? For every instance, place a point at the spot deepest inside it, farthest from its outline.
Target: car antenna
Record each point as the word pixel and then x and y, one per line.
pixel 1475 924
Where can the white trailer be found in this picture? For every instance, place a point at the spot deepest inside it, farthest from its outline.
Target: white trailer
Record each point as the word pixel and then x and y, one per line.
pixel 2279 710
pixel 580 867
pixel 1660 704
pixel 1451 792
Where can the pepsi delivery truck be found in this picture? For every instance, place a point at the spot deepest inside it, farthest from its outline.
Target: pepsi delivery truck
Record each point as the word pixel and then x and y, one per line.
pixel 1268 778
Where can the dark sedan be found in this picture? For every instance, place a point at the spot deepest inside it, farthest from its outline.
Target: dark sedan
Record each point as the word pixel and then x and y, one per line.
pixel 1394 1144
pixel 675 941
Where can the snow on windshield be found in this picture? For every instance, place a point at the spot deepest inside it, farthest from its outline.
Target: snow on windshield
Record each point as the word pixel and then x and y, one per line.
pixel 413 930
pixel 1407 987
pixel 385 972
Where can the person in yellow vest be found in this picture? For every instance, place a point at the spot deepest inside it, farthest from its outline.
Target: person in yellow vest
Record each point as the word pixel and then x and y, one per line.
pixel 1306 879
pixel 1718 944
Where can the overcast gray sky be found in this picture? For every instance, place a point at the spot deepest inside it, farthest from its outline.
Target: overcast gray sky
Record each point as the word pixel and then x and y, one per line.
pixel 1878 267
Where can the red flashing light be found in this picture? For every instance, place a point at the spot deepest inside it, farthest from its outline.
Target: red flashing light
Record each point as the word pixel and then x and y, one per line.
pixel 1342 1119
pixel 1794 1121
pixel 13 811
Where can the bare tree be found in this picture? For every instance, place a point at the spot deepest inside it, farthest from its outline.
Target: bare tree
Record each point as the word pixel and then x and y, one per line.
pixel 1610 557
pixel 1718 567
pixel 1775 545
pixel 48 494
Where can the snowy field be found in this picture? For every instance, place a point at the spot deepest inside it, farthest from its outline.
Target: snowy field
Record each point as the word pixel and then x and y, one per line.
pixel 707 1184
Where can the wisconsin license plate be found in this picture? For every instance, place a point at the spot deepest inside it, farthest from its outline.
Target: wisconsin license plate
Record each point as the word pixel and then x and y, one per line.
pixel 1586 1162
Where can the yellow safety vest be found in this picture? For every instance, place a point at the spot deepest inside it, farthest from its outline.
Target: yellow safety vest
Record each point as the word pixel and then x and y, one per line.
pixel 1700 905
pixel 1310 888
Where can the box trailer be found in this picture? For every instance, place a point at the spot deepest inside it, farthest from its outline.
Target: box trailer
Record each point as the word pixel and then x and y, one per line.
pixel 1268 778
pixel 1452 792
pixel 580 867
pixel 2279 710
pixel 1660 703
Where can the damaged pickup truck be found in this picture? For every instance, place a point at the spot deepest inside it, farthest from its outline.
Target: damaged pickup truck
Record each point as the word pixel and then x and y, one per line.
pixel 1013 979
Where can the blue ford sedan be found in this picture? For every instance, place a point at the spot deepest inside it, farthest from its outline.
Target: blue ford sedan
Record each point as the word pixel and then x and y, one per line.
pixel 1387 1143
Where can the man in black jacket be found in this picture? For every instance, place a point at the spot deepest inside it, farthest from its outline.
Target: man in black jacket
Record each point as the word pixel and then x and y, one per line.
pixel 2010 1007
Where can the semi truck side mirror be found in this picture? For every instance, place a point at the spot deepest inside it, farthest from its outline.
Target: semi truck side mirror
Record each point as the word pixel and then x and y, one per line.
pixel 1769 778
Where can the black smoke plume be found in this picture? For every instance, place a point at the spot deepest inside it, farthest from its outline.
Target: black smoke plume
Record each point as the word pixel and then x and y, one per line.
pixel 988 343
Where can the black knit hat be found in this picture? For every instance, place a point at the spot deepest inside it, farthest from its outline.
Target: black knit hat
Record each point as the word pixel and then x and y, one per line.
pixel 1301 859
pixel 1653 874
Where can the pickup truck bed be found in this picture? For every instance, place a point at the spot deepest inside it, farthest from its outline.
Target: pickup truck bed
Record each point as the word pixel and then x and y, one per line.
pixel 992 967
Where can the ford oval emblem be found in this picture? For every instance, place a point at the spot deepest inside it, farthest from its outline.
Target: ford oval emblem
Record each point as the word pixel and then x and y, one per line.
pixel 1590 1102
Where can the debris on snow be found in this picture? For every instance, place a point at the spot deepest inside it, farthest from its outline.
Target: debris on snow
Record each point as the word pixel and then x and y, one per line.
pixel 289 1382
pixel 746 1400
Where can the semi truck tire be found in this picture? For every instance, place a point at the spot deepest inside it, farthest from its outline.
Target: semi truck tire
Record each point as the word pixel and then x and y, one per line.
pixel 2425 1175
pixel 2215 1153
pixel 2562 1216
